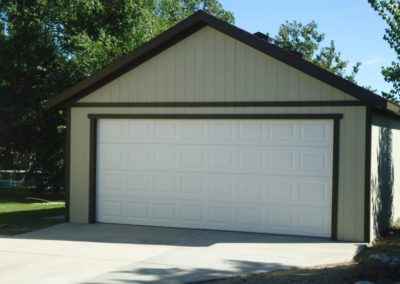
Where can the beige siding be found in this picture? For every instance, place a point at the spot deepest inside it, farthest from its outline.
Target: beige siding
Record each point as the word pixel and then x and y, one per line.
pixel 351 163
pixel 385 174
pixel 211 66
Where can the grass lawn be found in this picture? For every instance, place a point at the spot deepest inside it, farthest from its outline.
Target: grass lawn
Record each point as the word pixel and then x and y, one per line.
pixel 23 211
pixel 364 268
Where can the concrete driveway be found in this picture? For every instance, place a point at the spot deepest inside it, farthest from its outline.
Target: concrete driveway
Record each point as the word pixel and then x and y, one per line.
pixel 104 253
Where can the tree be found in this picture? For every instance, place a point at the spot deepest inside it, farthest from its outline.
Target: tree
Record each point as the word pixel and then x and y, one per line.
pixel 49 45
pixel 31 69
pixel 307 40
pixel 171 11
pixel 389 10
pixel 94 38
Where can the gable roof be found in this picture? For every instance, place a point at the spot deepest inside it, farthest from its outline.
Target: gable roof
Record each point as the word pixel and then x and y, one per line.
pixel 194 23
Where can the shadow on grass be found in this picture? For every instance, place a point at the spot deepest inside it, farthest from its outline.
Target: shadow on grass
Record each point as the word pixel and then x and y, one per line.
pixel 18 222
pixel 23 195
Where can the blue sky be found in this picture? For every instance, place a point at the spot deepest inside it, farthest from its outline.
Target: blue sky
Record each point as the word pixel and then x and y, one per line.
pixel 354 26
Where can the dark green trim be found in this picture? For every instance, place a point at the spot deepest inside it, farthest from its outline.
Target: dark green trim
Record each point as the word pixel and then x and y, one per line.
pixel 67 163
pixel 93 147
pixel 335 177
pixel 367 194
pixel 92 170
pixel 224 104
pixel 218 116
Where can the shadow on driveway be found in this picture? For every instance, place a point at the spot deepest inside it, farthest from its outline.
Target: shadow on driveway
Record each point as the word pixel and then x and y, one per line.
pixel 106 253
pixel 130 234
pixel 156 274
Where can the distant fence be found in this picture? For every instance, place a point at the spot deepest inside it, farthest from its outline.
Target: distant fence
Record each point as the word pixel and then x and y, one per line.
pixel 11 178
pixel 4 183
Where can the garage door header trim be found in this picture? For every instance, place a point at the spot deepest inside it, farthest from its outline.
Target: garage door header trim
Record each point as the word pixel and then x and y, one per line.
pixel 218 116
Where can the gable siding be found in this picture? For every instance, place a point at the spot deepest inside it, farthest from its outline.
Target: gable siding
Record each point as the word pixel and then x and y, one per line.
pixel 211 66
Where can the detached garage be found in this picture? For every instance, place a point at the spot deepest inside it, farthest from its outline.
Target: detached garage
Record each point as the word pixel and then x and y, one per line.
pixel 210 127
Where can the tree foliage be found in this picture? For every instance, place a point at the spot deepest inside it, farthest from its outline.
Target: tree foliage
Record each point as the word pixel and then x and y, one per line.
pixel 389 10
pixel 307 40
pixel 48 45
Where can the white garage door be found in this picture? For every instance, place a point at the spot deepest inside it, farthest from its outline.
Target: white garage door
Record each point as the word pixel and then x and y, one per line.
pixel 255 175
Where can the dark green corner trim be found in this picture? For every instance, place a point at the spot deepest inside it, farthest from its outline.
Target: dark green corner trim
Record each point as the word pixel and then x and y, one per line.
pixel 367 194
pixel 335 177
pixel 67 163
pixel 92 170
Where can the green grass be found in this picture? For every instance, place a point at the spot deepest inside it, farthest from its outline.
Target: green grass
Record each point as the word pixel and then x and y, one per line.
pixel 23 211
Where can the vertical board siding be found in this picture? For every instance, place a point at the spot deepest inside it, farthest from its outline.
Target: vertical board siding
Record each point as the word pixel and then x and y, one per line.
pixel 351 157
pixel 211 66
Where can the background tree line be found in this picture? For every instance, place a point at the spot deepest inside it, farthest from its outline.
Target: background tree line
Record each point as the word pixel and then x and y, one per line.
pixel 48 45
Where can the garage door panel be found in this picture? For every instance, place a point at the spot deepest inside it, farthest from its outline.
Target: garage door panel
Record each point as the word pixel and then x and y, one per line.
pixel 280 220
pixel 112 158
pixel 165 157
pixel 315 161
pixel 313 192
pixel 163 210
pixel 115 131
pixel 140 157
pixel 192 212
pixel 219 188
pixel 111 208
pixel 312 221
pixel 140 132
pixel 110 182
pixel 282 131
pixel 250 175
pixel 165 131
pixel 165 184
pixel 136 209
pixel 250 160
pixel 220 214
pixel 316 132
pixel 222 132
pixel 193 132
pixel 248 216
pixel 279 161
pixel 249 132
pixel 279 191
pixel 221 159
pixel 248 188
pixel 140 183
pixel 192 158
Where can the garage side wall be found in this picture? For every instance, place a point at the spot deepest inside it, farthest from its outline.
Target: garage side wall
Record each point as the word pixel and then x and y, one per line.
pixel 351 157
pixel 385 174
pixel 211 66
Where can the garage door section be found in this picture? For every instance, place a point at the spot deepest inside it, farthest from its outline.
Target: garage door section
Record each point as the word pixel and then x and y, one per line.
pixel 254 175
